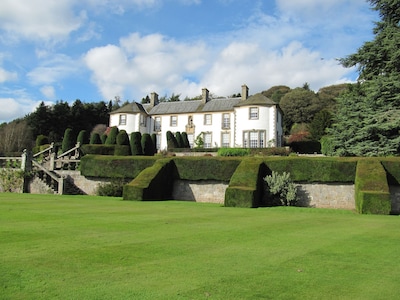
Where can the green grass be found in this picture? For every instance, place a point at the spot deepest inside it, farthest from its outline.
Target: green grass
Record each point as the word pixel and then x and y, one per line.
pixel 81 247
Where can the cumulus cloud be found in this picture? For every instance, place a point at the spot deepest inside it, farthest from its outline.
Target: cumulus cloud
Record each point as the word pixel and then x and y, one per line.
pixel 53 69
pixel 141 64
pixel 38 19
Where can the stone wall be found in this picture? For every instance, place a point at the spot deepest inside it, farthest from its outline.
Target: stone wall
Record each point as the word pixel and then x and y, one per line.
pixel 87 185
pixel 339 196
pixel 200 191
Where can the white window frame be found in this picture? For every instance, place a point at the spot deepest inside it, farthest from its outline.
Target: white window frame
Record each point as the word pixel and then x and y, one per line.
pixel 254 138
pixel 226 121
pixel 157 124
pixel 225 139
pixel 174 121
pixel 208 119
pixel 122 119
pixel 207 139
pixel 253 113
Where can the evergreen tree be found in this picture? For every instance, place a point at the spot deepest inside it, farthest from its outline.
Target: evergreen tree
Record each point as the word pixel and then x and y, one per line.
pixel 367 122
pixel 319 124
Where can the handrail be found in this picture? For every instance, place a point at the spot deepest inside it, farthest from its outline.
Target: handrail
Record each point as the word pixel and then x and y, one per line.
pixel 52 175
pixel 77 146
pixel 45 150
pixel 10 159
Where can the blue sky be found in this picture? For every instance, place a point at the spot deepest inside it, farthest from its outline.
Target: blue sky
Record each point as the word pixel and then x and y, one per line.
pixel 95 50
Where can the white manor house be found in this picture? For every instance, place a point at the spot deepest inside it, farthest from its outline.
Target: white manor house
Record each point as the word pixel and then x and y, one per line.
pixel 247 122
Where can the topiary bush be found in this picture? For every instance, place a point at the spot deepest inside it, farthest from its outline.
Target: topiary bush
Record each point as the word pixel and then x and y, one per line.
pixel 68 140
pixel 136 143
pixel 41 140
pixel 122 138
pixel 154 140
pixel 83 137
pixel 95 139
pixel 172 143
pixel 112 136
pixel 147 145
pixel 280 190
pixel 179 139
pixel 185 138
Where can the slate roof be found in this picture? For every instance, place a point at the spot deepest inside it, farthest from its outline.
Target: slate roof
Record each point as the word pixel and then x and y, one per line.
pixel 195 106
pixel 130 108
pixel 257 99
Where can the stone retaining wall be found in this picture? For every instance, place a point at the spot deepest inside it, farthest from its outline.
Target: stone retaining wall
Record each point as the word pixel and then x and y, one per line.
pixel 339 196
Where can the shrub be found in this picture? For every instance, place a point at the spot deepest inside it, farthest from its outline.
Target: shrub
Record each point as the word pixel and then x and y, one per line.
pixel 233 152
pixel 136 143
pixel 122 138
pixel 154 140
pixel 41 140
pixel 103 138
pixel 68 140
pixel 185 138
pixel 172 143
pixel 280 190
pixel 112 189
pixel 326 145
pixel 11 180
pixel 112 136
pixel 83 137
pixel 179 139
pixel 95 139
pixel 147 145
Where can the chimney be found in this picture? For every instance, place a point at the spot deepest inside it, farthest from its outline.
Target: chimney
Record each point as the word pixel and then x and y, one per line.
pixel 245 92
pixel 204 94
pixel 153 99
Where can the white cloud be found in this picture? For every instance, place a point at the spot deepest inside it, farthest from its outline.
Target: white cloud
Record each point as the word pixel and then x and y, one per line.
pixel 53 70
pixel 48 91
pixel 7 76
pixel 38 19
pixel 15 108
pixel 142 64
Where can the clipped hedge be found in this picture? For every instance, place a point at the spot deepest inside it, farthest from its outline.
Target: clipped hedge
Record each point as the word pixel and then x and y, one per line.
pixel 98 149
pixel 206 168
pixel 246 187
pixel 113 166
pixel 372 194
pixel 153 183
pixel 315 169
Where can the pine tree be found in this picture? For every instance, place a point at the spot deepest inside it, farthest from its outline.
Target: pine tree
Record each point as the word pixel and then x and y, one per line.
pixel 367 122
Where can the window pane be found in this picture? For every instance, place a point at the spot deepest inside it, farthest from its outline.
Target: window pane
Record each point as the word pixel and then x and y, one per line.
pixel 226 121
pixel 253 113
pixel 253 139
pixel 207 140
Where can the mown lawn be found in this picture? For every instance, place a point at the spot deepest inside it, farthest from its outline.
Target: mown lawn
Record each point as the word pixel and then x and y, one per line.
pixel 81 247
